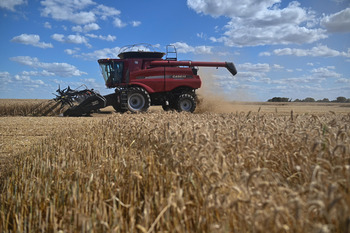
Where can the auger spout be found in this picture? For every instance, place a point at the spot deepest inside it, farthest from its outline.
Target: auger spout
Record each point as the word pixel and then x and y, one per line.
pixel 228 65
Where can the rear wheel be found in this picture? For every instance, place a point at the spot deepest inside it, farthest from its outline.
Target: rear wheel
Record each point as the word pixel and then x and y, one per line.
pixel 186 103
pixel 138 100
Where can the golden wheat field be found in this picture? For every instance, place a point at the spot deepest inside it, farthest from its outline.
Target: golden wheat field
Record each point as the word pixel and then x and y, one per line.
pixel 229 167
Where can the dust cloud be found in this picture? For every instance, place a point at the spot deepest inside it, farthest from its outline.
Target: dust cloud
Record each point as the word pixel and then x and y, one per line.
pixel 211 97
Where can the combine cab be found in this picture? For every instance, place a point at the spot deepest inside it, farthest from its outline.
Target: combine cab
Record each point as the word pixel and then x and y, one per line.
pixel 142 79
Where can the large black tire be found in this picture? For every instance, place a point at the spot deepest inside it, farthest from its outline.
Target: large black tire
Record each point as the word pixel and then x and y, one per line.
pixel 186 103
pixel 118 108
pixel 138 100
pixel 112 101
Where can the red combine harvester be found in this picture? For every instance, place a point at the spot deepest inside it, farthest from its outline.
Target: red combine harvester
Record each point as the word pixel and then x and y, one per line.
pixel 142 79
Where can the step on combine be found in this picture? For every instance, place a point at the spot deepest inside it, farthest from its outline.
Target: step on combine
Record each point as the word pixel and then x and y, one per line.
pixel 141 79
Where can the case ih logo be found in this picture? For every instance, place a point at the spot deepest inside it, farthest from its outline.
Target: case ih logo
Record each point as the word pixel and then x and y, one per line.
pixel 180 76
pixel 166 76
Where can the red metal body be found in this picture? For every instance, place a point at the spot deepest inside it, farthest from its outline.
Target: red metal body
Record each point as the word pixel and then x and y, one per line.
pixel 158 75
pixel 154 77
pixel 142 79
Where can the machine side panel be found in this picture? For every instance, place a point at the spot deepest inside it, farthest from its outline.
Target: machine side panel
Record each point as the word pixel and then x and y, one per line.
pixel 153 79
pixel 179 76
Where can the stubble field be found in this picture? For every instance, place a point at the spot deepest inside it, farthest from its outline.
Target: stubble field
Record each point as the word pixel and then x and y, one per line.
pixel 230 167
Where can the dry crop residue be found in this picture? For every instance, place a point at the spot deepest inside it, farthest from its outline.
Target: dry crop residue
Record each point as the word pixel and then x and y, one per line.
pixel 242 172
pixel 18 134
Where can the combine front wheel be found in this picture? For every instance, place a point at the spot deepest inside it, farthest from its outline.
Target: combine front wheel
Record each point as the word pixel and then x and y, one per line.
pixel 186 103
pixel 138 100
pixel 118 108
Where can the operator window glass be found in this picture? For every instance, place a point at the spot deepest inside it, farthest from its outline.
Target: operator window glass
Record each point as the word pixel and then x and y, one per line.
pixel 112 72
pixel 118 72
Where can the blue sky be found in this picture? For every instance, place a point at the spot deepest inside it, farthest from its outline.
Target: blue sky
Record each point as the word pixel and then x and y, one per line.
pixel 294 49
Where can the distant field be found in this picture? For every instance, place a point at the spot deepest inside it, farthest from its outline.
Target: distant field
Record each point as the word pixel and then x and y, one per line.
pixel 280 108
pixel 28 107
pixel 230 167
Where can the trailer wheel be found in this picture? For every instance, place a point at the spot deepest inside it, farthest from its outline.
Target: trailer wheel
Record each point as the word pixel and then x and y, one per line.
pixel 138 100
pixel 186 103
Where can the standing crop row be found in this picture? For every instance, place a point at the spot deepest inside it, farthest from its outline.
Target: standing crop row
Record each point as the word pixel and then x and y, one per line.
pixel 185 173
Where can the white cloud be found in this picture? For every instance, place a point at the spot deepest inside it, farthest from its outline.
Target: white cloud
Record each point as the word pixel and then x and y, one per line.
pixel 318 51
pixel 4 74
pixel 102 53
pixel 79 12
pixel 58 37
pixel 86 28
pixel 91 27
pixel 261 22
pixel 200 35
pixel 135 23
pixel 338 22
pixel 69 10
pixel 47 25
pixel 71 51
pixel 276 66
pixel 37 73
pixel 104 11
pixel 77 28
pixel 229 8
pixel 77 39
pixel 55 68
pixel 325 72
pixel 30 39
pixel 5 77
pixel 203 49
pixel 343 80
pixel 182 47
pixel 259 67
pixel 267 54
pixel 20 80
pixel 82 12
pixel 106 38
pixel 338 1
pixel 27 81
pixel 92 83
pixel 72 39
pixel 11 4
pixel 252 72
pixel 118 23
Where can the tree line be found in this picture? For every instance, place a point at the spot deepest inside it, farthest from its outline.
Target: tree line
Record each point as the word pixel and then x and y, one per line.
pixel 340 99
